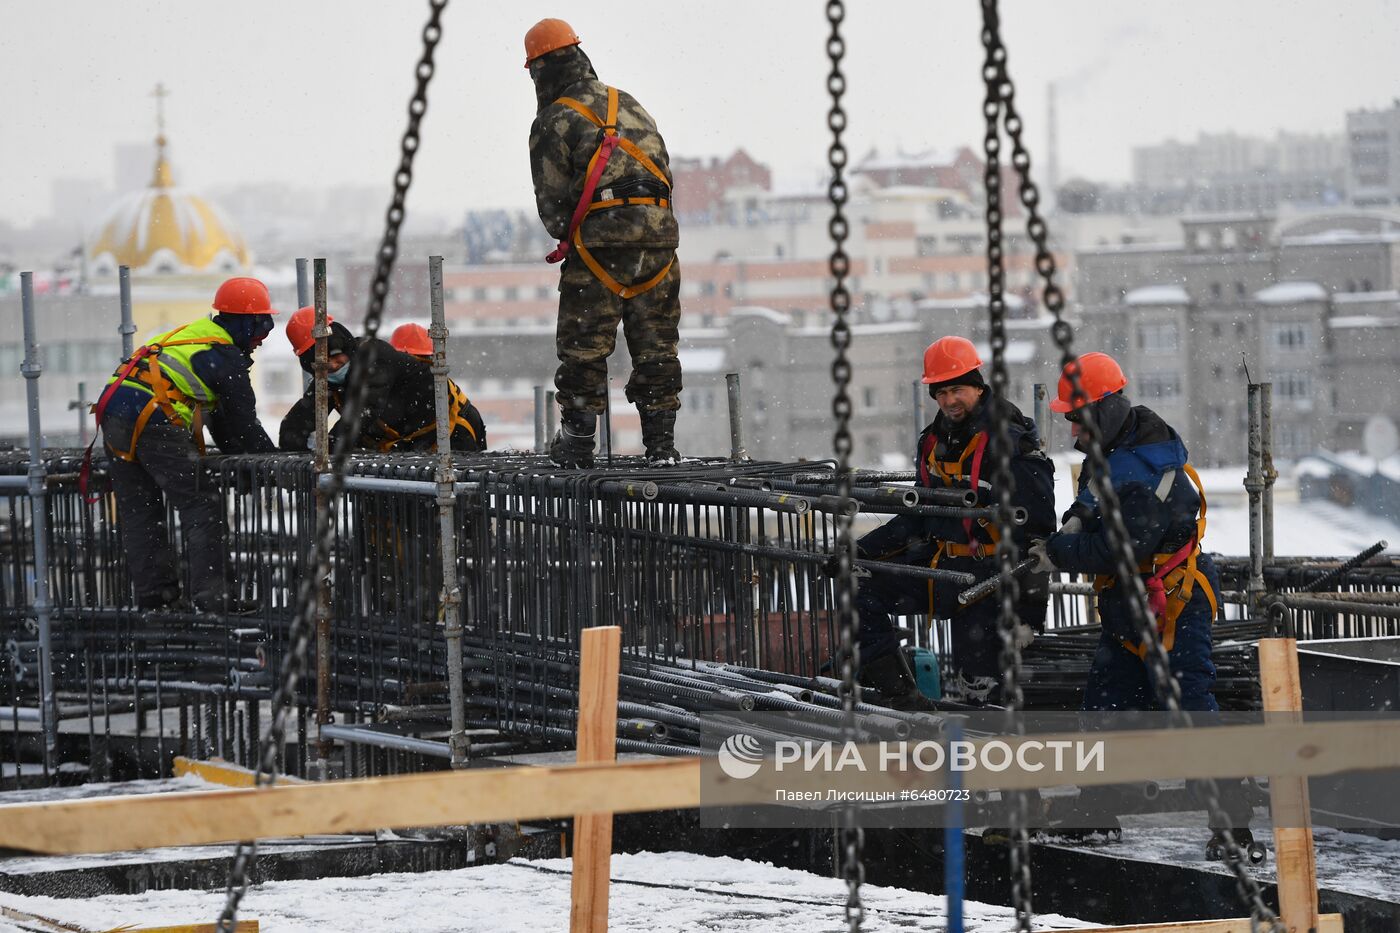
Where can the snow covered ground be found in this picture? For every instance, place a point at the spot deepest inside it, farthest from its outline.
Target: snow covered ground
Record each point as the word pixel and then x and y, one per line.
pixel 651 892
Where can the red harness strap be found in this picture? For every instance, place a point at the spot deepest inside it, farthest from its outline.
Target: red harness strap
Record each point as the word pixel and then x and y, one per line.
pixel 605 151
pixel 1156 588
pixel 973 479
pixel 98 410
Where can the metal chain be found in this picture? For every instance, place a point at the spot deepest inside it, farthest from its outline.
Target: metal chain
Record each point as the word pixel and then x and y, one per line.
pixel 1003 482
pixel 1165 684
pixel 299 635
pixel 852 837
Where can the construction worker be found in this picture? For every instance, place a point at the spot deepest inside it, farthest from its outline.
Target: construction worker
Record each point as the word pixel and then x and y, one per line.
pixel 414 340
pixel 153 414
pixel 400 407
pixel 953 451
pixel 1164 511
pixel 603 188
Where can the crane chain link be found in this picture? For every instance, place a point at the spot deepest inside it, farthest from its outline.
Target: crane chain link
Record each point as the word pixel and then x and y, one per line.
pixel 1164 682
pixel 1003 482
pixel 850 835
pixel 299 634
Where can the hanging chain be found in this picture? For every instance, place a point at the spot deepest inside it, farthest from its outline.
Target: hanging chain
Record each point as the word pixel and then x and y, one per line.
pixel 852 838
pixel 299 635
pixel 1003 482
pixel 1164 682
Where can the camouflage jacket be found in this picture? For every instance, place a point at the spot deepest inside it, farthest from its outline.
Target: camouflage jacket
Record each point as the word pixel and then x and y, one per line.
pixel 562 142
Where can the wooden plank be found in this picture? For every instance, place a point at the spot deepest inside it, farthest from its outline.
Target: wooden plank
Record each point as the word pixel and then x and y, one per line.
pixel 107 824
pixel 599 664
pixel 486 795
pixel 1327 923
pixel 218 771
pixel 1294 855
pixel 36 923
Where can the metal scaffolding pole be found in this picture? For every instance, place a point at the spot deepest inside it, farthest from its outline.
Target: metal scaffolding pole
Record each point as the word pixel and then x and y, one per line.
pixel 736 418
pixel 320 370
pixel 457 741
pixel 303 285
pixel 128 326
pixel 1254 486
pixel 1266 454
pixel 541 421
pixel 31 369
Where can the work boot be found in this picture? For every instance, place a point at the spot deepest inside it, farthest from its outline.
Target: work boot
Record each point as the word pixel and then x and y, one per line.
pixel 572 447
pixel 890 678
pixel 659 437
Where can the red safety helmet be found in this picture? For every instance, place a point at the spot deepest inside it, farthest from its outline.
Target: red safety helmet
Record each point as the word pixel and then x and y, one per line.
pixel 412 339
pixel 949 357
pixel 301 327
pixel 1099 376
pixel 546 36
pixel 243 295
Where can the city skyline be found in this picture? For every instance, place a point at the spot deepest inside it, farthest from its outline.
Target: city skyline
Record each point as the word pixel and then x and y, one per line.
pixel 271 121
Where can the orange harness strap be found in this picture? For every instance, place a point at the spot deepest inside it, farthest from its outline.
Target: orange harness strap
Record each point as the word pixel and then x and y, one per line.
pixel 587 205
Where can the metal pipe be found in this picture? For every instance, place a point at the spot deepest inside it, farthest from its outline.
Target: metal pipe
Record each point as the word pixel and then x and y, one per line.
pixel 420 487
pixel 1339 606
pixel 364 735
pixel 31 369
pixel 551 412
pixel 127 329
pixel 321 465
pixel 606 449
pixel 80 404
pixel 1040 392
pixel 1336 573
pixel 736 419
pixel 1254 486
pixel 1266 463
pixel 459 745
pixel 541 437
pixel 917 391
pixel 303 285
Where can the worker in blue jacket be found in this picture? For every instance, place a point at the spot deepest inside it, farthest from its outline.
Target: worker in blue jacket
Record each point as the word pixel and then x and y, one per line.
pixel 1164 511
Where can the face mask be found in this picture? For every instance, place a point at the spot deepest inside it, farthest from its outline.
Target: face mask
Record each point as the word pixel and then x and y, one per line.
pixel 338 377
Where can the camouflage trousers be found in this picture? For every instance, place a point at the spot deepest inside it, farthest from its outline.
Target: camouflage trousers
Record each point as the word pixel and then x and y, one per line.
pixel 587 332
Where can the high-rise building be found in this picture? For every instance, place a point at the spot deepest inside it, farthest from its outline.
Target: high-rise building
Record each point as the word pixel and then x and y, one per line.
pixel 1373 164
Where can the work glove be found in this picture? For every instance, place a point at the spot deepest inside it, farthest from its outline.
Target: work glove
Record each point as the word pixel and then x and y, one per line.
pixel 1043 563
pixel 1022 635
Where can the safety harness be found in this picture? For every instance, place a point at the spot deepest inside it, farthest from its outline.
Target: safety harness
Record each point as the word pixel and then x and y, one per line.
pixel 607 142
pixel 1171 577
pixel 953 472
pixel 389 438
pixel 183 408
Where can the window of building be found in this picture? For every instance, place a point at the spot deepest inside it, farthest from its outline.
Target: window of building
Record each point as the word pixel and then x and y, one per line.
pixel 707 288
pixel 868 396
pixel 1158 337
pixel 1290 336
pixel 1293 386
pixel 479 293
pixel 954 281
pixel 512 293
pixel 1239 289
pixel 544 292
pixel 1215 329
pixel 1159 385
pixel 1292 439
pixel 927 245
pixel 1365 285
pixel 1215 289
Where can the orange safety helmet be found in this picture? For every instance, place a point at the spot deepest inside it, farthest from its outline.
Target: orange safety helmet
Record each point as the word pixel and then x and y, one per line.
pixel 243 295
pixel 949 357
pixel 412 339
pixel 1099 376
pixel 546 36
pixel 301 328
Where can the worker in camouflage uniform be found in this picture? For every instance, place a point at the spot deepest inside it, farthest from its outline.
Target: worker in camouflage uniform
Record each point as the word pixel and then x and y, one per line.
pixel 603 188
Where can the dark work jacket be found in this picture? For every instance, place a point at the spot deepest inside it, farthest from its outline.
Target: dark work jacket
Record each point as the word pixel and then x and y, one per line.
pixel 1139 457
pixel 1032 472
pixel 400 397
pixel 562 143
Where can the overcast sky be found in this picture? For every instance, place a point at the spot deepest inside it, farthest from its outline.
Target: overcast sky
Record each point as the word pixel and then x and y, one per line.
pixel 312 92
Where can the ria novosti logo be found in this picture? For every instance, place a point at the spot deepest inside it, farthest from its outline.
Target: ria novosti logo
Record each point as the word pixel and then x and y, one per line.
pixel 740 756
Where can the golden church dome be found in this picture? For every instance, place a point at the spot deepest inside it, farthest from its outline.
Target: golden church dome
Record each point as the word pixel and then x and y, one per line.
pixel 166 230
